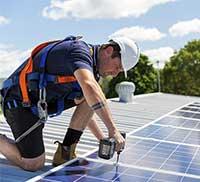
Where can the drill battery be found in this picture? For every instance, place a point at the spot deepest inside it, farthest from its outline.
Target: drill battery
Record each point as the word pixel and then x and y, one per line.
pixel 106 148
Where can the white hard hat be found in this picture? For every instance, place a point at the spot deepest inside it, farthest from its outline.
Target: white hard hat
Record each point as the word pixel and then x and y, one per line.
pixel 129 52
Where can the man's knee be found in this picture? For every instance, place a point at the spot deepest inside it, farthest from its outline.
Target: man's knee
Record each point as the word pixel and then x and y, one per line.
pixel 33 164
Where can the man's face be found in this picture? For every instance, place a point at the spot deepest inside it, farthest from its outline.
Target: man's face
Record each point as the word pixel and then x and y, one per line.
pixel 109 66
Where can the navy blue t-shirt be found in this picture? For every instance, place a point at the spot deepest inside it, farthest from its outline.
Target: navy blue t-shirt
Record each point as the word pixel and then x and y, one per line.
pixel 66 57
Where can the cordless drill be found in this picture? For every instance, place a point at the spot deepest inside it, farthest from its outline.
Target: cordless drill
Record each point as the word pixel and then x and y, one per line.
pixel 107 148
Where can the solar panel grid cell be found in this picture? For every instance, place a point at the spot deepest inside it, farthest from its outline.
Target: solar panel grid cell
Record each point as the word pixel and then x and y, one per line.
pixel 193 105
pixel 179 122
pixel 186 114
pixel 191 109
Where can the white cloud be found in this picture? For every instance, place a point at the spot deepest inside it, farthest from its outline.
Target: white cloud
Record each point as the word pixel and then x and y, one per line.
pixel 6 46
pixel 161 54
pixel 10 59
pixel 92 9
pixel 185 27
pixel 139 33
pixel 4 20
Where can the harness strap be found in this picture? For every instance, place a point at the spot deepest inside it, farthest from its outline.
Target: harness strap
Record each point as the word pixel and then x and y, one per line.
pixel 28 69
pixel 35 76
pixel 65 79
pixel 42 80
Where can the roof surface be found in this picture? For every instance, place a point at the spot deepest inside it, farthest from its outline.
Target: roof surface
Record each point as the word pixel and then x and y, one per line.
pixel 128 117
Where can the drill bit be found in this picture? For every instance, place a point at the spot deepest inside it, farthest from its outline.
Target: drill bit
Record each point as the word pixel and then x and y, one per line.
pixel 117 158
pixel 118 153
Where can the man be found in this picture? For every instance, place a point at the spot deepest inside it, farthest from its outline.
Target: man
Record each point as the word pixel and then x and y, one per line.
pixel 59 75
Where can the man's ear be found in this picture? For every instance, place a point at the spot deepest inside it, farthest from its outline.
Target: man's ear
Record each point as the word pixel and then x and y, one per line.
pixel 109 50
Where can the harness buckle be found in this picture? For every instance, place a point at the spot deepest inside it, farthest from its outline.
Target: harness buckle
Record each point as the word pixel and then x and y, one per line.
pixel 42 105
pixel 42 110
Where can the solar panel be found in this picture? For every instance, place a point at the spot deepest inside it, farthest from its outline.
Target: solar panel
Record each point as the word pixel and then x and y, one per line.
pixel 165 150
pixel 186 136
pixel 179 122
pixel 98 171
pixel 187 114
pixel 191 109
pixel 143 160
pixel 194 105
pixel 160 155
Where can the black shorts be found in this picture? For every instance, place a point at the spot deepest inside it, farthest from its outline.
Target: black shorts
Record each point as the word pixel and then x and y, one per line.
pixel 20 120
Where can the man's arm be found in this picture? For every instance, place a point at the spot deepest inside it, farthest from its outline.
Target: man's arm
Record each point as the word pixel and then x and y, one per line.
pixel 95 129
pixel 97 101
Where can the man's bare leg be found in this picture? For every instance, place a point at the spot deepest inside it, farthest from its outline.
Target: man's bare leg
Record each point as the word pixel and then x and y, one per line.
pixel 10 151
pixel 81 117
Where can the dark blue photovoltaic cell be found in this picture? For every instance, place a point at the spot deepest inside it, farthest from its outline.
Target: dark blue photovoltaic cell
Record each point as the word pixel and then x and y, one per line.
pixel 179 122
pixel 145 132
pixel 170 134
pixel 154 131
pixel 97 171
pixel 191 109
pixel 194 105
pixel 186 114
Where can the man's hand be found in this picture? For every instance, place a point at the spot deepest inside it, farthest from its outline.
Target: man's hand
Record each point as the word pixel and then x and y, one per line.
pixel 120 141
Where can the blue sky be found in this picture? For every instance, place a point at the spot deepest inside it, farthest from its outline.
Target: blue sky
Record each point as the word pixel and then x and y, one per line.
pixel 159 26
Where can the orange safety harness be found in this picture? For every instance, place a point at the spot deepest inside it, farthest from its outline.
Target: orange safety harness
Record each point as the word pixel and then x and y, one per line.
pixel 21 80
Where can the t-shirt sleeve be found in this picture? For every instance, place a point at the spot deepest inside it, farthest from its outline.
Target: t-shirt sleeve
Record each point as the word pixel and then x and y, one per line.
pixel 80 57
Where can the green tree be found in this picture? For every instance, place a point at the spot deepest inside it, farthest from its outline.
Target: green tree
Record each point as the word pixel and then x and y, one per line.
pixel 104 83
pixel 181 75
pixel 143 75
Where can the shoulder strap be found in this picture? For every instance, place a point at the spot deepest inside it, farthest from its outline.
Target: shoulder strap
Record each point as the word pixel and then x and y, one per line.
pixel 29 67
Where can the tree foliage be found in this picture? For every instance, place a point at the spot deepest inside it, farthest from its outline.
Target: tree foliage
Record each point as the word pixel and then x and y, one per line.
pixel 181 75
pixel 143 75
